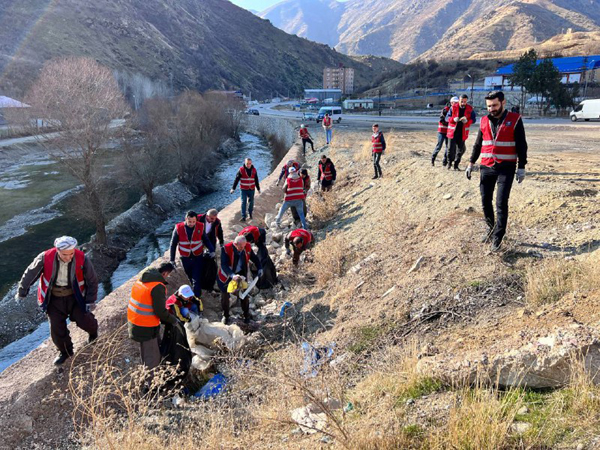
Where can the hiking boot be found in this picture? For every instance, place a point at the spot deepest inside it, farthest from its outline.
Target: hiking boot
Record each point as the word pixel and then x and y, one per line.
pixel 250 216
pixel 61 358
pixel 226 320
pixel 456 166
pixel 449 165
pixel 433 161
pixel 243 219
pixel 92 337
pixel 496 244
pixel 247 320
pixel 375 177
pixel 444 162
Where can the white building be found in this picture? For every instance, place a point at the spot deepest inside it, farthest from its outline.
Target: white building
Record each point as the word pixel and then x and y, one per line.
pixel 360 103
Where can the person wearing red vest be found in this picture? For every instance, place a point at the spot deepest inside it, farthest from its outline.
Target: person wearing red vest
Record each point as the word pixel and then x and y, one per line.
pixel 247 176
pixel 300 240
pixel 502 146
pixel 285 170
pixel 147 309
pixel 183 303
pixel 235 258
pixel 189 235
pixel 307 183
pixel 67 289
pixel 460 118
pixel 326 174
pixel 306 139
pixel 254 235
pixel 378 148
pixel 294 196
pixel 442 133
pixel 328 127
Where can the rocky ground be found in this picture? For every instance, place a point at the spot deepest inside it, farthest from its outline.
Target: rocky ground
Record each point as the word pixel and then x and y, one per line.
pixel 426 338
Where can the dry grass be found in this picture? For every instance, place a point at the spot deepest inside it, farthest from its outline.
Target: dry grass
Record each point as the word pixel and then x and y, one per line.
pixel 331 259
pixel 323 206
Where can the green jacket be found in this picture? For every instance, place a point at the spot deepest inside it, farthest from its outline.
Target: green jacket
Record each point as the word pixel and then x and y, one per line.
pixel 142 334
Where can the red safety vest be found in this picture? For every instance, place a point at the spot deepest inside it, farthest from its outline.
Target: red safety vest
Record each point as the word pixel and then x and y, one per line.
pixel 503 147
pixel 306 236
pixel 196 246
pixel 247 183
pixel 254 231
pixel 140 311
pixel 326 173
pixel 229 252
pixel 442 124
pixel 295 189
pixel 326 121
pixel 48 274
pixel 377 144
pixel 303 133
pixel 452 124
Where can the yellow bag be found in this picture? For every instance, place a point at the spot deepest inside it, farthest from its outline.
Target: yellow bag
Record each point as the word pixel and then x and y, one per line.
pixel 234 286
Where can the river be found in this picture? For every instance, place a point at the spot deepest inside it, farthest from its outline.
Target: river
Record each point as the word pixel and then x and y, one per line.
pixel 148 248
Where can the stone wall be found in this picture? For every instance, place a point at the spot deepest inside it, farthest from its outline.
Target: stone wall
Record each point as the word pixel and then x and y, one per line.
pixel 283 129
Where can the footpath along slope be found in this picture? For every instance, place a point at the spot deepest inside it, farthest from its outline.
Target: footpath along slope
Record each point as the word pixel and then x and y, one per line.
pixel 34 402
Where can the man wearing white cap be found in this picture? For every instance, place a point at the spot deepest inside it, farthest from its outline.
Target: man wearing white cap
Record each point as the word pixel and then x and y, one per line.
pixel 294 196
pixel 67 289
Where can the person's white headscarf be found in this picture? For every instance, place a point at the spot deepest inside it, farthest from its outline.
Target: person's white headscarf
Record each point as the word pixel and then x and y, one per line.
pixel 65 243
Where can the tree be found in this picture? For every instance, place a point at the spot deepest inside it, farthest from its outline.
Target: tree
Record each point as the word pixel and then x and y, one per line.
pixel 523 73
pixel 79 99
pixel 545 81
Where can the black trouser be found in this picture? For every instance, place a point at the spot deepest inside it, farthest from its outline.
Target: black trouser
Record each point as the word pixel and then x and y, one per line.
pixel 61 308
pixel 503 175
pixel 193 269
pixel 326 185
pixel 442 139
pixel 225 305
pixel 453 155
pixel 376 166
pixel 304 142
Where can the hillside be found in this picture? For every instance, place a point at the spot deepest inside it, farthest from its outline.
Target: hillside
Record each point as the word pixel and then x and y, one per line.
pixel 208 44
pixel 439 29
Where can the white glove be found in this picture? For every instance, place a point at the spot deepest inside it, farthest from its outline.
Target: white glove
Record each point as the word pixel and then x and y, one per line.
pixel 468 171
pixel 260 273
pixel 456 119
pixel 211 254
pixel 463 119
pixel 520 175
pixel 174 264
pixel 231 191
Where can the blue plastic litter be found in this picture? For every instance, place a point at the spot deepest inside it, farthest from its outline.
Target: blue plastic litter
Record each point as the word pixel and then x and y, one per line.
pixel 314 358
pixel 213 387
pixel 285 306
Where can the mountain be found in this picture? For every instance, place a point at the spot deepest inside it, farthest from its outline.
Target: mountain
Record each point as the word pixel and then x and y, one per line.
pixel 440 29
pixel 199 44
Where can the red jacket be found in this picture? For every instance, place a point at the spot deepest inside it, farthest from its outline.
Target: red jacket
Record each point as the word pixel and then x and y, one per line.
pixel 452 124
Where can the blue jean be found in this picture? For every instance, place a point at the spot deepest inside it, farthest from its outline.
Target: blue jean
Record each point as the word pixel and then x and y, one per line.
pixel 328 134
pixel 442 139
pixel 247 197
pixel 298 205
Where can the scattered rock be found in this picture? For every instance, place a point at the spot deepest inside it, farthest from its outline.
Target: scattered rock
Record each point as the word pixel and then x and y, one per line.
pixel 447 197
pixel 388 292
pixel 277 237
pixel 416 265
pixel 520 427
pixel 522 411
pixel 439 185
pixel 237 228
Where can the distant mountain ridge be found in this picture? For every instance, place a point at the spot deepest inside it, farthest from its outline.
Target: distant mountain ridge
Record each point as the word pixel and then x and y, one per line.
pixel 440 29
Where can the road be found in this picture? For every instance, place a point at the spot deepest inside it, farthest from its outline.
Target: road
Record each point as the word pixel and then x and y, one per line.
pixel 267 109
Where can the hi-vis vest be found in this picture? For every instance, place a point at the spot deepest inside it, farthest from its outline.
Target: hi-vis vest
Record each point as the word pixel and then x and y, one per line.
pixel 326 173
pixel 247 183
pixel 306 236
pixel 303 133
pixel 193 247
pixel 326 121
pixel 229 252
pixel 140 311
pixel 48 275
pixel 452 124
pixel 254 231
pixel 295 189
pixel 503 147
pixel 377 144
pixel 442 124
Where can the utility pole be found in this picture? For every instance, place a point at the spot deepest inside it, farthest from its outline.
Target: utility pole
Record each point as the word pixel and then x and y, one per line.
pixel 379 102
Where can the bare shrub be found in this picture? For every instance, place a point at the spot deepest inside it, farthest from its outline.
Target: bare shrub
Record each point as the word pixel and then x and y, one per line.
pixel 331 259
pixel 323 207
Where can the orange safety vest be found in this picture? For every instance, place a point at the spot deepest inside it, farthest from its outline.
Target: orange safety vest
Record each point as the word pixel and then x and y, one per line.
pixel 48 275
pixel 247 183
pixel 254 231
pixel 503 147
pixel 140 311
pixel 377 144
pixel 452 124
pixel 303 133
pixel 196 246
pixel 229 252
pixel 326 173
pixel 295 189
pixel 306 236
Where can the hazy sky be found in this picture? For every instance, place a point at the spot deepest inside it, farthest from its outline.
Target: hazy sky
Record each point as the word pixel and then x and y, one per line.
pixel 258 5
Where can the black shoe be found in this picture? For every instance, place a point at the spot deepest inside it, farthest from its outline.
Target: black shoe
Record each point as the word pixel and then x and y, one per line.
pixel 61 358
pixel 250 216
pixel 456 167
pixel 432 162
pixel 496 244
pixel 375 177
pixel 449 165
pixel 226 320
pixel 92 337
pixel 243 219
pixel 445 162
pixel 247 320
pixel 487 237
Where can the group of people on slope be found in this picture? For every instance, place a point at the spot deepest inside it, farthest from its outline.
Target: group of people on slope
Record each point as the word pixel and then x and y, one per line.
pixel 500 143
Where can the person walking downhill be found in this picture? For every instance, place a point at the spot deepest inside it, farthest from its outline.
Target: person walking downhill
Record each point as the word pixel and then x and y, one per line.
pixel 247 176
pixel 235 258
pixel 190 237
pixel 328 127
pixel 147 309
pixel 294 196
pixel 306 139
pixel 67 289
pixel 460 118
pixel 379 145
pixel 502 146
pixel 326 174
pixel 442 133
